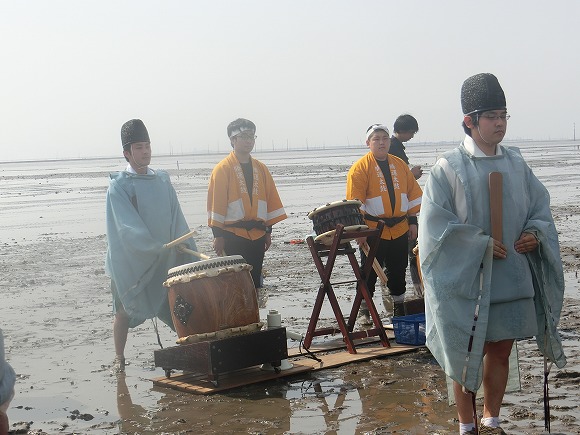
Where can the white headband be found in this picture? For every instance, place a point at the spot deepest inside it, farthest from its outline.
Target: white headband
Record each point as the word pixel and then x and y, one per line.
pixel 376 127
pixel 240 130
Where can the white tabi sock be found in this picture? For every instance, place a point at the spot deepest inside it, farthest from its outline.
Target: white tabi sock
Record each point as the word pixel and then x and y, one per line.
pixel 464 428
pixel 490 421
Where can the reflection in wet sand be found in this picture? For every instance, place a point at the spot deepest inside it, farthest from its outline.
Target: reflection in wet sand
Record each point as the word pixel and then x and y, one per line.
pixel 132 417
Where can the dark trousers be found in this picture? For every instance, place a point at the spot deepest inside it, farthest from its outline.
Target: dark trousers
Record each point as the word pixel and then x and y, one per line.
pixel 393 255
pixel 251 250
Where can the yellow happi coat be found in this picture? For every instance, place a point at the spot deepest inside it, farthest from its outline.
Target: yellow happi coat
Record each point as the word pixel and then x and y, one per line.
pixel 365 182
pixel 228 200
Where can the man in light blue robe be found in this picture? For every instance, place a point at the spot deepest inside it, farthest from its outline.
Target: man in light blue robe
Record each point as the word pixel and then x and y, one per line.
pixel 481 294
pixel 143 214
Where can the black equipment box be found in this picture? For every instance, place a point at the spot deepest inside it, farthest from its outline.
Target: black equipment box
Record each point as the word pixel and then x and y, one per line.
pixel 225 355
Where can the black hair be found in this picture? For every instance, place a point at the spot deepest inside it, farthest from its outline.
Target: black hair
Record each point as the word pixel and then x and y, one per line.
pixel 126 148
pixel 406 122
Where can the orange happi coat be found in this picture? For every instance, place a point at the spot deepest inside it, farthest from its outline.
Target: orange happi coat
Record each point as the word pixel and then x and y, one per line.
pixel 365 182
pixel 228 200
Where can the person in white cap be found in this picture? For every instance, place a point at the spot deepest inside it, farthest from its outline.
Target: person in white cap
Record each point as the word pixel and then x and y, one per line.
pixel 242 201
pixel 390 193
pixel 482 294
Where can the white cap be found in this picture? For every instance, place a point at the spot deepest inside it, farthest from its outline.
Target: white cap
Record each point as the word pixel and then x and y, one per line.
pixel 239 130
pixel 376 127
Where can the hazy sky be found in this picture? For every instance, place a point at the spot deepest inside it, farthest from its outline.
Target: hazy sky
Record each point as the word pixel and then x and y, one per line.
pixel 313 72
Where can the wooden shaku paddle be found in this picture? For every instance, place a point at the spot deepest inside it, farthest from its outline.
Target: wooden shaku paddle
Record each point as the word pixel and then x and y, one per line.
pixel 495 204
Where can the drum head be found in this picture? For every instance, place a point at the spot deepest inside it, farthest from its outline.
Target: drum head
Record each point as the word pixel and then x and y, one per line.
pixel 327 237
pixel 212 263
pixel 317 210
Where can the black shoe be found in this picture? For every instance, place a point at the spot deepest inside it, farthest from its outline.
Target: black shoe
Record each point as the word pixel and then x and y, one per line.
pixel 486 430
pixel 364 316
pixel 398 309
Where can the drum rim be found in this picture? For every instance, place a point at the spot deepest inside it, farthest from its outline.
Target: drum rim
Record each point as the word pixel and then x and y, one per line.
pixel 205 264
pixel 329 235
pixel 333 205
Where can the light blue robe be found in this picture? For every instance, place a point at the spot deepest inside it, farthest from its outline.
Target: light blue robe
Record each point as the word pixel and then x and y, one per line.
pixel 143 214
pixel 519 296
pixel 7 375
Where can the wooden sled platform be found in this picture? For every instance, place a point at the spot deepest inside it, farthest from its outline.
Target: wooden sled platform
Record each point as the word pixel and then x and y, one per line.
pixel 331 353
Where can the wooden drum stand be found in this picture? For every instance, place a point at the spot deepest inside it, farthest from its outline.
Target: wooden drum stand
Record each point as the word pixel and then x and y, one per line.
pixel 341 246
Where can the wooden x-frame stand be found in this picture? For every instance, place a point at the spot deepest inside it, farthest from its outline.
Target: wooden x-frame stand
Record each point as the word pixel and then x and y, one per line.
pixel 341 247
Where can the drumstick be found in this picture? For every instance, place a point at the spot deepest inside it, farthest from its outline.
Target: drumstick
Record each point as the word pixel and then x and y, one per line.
pixel 495 204
pixel 376 266
pixel 180 239
pixel 195 253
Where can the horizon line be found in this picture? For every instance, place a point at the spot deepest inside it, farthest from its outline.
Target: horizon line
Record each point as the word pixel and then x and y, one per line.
pixel 273 150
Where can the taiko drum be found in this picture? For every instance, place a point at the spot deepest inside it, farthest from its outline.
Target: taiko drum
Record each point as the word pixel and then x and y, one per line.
pixel 326 218
pixel 212 295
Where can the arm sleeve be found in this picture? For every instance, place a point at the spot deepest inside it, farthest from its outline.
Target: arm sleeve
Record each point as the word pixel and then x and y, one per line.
pixel 217 197
pixel 356 184
pixel 124 221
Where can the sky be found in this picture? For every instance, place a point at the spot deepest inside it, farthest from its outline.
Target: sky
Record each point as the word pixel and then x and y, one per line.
pixel 309 73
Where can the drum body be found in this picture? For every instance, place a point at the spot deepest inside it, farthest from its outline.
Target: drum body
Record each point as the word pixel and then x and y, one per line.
pixel 326 218
pixel 211 295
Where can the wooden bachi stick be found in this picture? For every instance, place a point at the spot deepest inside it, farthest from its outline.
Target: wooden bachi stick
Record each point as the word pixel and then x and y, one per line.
pixel 180 239
pixel 376 266
pixel 195 253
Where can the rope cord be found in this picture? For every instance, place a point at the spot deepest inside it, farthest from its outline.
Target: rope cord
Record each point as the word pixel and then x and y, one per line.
pixel 547 368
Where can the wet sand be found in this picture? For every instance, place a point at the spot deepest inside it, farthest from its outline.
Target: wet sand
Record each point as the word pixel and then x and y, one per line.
pixel 56 317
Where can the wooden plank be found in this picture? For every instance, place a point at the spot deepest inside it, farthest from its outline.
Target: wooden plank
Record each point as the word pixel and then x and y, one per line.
pixel 198 384
pixel 495 204
pixel 364 353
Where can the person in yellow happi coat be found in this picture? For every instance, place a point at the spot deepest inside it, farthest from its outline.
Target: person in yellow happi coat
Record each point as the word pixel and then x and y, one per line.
pixel 243 202
pixel 389 192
